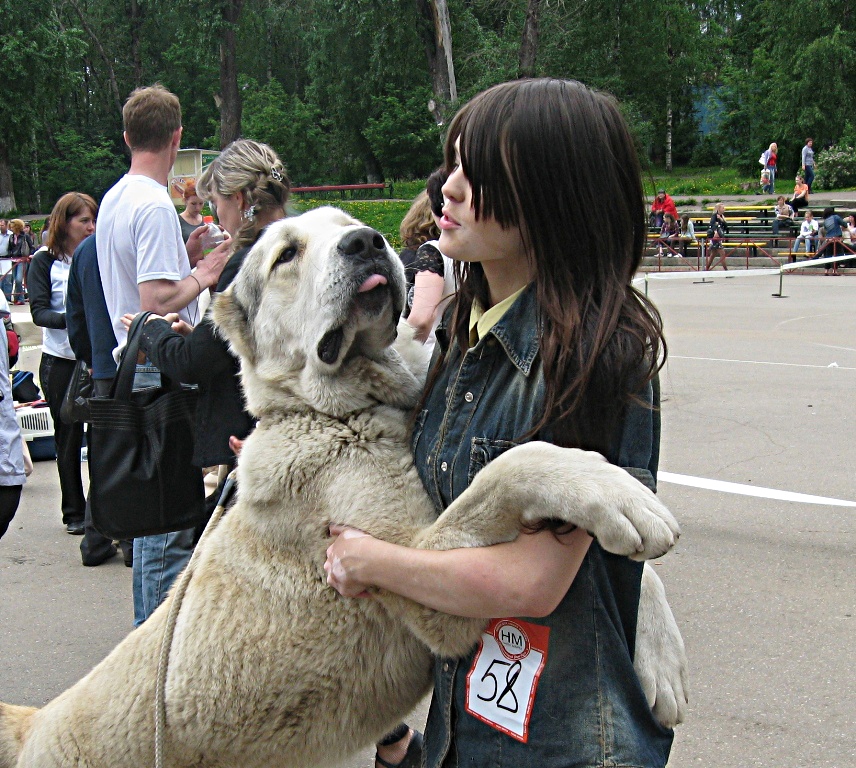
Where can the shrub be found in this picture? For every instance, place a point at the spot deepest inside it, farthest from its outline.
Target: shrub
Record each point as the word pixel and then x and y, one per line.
pixel 403 136
pixel 836 167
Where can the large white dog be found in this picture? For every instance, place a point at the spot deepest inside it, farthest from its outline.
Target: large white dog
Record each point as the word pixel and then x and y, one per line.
pixel 267 665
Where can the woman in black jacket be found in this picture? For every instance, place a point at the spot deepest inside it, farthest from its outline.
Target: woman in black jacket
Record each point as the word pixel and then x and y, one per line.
pixel 72 220
pixel 249 188
pixel 20 250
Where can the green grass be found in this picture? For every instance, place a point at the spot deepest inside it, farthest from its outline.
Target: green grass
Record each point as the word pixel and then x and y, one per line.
pixel 699 181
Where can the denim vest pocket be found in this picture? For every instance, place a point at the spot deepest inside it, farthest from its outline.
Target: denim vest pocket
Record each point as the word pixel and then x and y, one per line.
pixel 483 450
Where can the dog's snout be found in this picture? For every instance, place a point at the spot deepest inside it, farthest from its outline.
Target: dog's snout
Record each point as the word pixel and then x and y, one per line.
pixel 362 243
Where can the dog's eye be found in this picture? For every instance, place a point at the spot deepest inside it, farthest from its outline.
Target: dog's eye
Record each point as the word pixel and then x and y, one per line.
pixel 287 255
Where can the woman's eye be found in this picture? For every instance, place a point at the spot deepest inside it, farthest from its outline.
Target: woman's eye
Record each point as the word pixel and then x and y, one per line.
pixel 287 255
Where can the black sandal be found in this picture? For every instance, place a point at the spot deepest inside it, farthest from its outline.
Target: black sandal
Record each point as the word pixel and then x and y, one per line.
pixel 412 758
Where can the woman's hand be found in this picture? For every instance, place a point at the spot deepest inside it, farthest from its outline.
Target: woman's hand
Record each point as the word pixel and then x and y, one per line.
pixel 128 318
pixel 178 325
pixel 343 561
pixel 236 445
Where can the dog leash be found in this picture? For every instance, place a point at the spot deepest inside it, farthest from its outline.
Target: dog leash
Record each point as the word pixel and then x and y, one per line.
pixel 172 618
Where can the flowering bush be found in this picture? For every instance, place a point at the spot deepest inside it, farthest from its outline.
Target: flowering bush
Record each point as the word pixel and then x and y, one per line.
pixel 835 167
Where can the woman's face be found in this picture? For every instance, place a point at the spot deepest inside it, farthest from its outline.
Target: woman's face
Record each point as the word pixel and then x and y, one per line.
pixel 500 251
pixel 193 206
pixel 78 228
pixel 229 211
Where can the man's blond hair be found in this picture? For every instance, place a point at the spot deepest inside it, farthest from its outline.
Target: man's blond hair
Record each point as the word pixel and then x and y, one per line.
pixel 151 116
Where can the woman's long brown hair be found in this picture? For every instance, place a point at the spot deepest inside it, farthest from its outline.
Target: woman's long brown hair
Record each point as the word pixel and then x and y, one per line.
pixel 556 159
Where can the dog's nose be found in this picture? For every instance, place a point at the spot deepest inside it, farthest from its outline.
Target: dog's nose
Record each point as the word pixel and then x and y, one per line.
pixel 364 243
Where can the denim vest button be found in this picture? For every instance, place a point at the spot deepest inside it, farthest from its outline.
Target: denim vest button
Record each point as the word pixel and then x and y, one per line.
pixel 446 666
pixel 444 466
pixel 468 397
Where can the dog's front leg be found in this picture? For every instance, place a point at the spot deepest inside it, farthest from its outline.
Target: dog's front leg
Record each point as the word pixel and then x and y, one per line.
pixel 660 659
pixel 538 481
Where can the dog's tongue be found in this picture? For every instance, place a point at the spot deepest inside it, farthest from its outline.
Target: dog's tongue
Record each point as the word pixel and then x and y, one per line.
pixel 371 283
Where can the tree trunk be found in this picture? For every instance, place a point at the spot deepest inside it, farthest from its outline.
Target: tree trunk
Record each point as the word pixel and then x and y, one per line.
pixel 669 133
pixel 7 193
pixel 670 53
pixel 230 95
pixel 108 63
pixel 436 32
pixel 135 16
pixel 529 40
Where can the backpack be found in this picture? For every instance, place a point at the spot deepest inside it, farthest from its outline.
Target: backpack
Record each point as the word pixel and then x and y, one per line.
pixel 24 389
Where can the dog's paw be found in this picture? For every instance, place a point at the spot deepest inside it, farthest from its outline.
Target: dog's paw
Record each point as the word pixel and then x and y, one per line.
pixel 582 488
pixel 660 659
pixel 628 519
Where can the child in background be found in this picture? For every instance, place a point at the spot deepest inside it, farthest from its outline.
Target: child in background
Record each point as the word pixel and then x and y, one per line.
pixel 669 231
pixel 808 235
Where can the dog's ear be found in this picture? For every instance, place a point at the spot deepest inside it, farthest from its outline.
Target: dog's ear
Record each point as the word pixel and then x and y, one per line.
pixel 232 323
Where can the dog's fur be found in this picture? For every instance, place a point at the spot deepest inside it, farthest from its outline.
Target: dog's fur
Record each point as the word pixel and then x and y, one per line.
pixel 268 665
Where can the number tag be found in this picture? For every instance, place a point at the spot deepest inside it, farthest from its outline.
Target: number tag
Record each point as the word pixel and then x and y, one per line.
pixel 502 682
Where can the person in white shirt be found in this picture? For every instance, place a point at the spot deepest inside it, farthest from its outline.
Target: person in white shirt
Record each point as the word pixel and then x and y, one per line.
pixel 12 468
pixel 808 235
pixel 74 216
pixel 145 266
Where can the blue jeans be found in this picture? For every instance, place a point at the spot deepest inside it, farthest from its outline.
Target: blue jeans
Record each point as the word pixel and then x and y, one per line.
pixel 157 562
pixel 157 559
pixel 19 275
pixel 809 176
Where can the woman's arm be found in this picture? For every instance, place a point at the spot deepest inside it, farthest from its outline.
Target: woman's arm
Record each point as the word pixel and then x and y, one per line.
pixel 194 359
pixel 427 295
pixel 39 290
pixel 526 577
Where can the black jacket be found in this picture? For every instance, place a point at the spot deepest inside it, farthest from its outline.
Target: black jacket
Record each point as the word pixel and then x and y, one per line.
pixel 39 289
pixel 204 358
pixel 16 245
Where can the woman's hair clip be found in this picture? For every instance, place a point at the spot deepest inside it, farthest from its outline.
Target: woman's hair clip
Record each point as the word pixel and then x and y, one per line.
pixel 249 214
pixel 276 173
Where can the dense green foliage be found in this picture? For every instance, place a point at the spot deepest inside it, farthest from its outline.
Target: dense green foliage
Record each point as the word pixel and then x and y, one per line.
pixel 341 88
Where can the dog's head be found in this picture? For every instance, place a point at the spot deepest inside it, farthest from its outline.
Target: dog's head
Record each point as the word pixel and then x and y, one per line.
pixel 312 314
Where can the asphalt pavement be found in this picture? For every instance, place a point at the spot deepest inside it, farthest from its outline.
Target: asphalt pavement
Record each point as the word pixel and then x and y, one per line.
pixel 758 393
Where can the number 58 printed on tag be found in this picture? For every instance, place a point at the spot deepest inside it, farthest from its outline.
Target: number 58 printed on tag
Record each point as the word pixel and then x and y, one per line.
pixel 502 682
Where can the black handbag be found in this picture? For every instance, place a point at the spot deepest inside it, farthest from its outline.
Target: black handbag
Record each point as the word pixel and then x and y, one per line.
pixel 75 402
pixel 142 481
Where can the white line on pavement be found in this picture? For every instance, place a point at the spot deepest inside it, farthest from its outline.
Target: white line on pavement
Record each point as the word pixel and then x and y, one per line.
pixel 758 362
pixel 749 490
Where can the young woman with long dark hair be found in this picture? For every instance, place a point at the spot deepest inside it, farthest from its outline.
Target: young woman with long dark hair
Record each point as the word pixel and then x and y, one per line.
pixel 546 339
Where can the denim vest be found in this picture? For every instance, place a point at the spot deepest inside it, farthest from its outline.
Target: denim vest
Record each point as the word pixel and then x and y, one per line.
pixel 589 708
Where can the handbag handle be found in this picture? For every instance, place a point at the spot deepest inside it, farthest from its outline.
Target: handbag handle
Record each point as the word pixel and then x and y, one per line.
pixel 123 384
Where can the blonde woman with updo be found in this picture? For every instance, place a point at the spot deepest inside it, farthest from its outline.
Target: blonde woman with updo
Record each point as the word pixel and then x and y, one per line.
pixel 248 186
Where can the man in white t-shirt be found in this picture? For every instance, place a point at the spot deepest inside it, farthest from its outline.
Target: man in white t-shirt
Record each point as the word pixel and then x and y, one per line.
pixel 144 265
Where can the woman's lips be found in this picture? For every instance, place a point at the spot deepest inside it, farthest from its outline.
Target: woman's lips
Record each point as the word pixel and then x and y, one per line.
pixel 447 222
